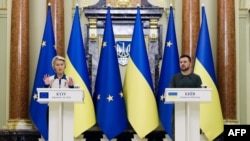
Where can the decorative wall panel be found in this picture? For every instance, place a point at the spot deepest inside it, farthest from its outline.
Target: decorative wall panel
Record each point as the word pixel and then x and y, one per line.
pixel 123 25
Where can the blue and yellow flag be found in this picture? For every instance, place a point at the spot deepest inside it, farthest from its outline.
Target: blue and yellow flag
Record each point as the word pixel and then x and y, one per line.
pixel 76 67
pixel 109 101
pixel 170 66
pixel 38 112
pixel 211 119
pixel 138 86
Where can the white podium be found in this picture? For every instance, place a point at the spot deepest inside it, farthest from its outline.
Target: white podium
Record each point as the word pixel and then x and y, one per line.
pixel 61 111
pixel 187 110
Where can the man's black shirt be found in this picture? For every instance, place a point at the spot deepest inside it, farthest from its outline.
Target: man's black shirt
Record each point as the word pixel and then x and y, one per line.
pixel 186 81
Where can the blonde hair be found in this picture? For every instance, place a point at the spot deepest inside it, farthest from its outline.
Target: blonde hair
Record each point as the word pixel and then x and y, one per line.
pixel 57 58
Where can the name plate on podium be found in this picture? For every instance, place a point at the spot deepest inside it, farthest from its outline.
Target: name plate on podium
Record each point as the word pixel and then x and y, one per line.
pixel 187 95
pixel 46 95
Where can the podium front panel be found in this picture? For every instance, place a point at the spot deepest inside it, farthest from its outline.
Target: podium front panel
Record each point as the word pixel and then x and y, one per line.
pixel 46 95
pixel 187 95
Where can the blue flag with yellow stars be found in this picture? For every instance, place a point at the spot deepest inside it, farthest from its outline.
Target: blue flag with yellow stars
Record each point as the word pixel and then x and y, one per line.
pixel 108 95
pixel 38 112
pixel 170 66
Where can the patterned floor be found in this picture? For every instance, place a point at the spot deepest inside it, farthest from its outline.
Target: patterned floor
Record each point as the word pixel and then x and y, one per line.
pixel 32 135
pixel 156 136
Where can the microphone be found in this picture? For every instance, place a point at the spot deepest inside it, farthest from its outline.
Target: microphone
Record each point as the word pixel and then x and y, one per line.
pixel 203 86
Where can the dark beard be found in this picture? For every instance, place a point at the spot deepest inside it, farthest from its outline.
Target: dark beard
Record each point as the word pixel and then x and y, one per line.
pixel 185 69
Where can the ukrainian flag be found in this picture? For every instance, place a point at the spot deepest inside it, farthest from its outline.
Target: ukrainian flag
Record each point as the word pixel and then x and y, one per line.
pixel 211 119
pixel 76 67
pixel 138 86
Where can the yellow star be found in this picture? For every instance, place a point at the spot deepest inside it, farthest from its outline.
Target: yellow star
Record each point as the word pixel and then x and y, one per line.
pixel 169 44
pixel 121 94
pixel 98 97
pixel 104 44
pixel 162 97
pixel 43 43
pixel 35 96
pixel 110 98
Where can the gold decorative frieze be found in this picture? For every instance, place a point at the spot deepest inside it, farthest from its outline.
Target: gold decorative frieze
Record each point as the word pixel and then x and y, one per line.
pixel 92 29
pixel 123 3
pixel 153 29
pixel 153 23
pixel 92 23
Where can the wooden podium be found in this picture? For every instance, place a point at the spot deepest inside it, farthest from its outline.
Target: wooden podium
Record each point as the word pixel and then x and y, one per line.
pixel 61 110
pixel 187 110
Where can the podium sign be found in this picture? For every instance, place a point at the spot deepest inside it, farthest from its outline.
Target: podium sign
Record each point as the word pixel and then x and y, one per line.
pixel 187 95
pixel 187 110
pixel 46 95
pixel 61 110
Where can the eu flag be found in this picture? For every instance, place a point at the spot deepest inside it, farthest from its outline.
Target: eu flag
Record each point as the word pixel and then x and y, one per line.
pixel 38 112
pixel 76 67
pixel 109 102
pixel 138 86
pixel 211 119
pixel 170 66
pixel 44 95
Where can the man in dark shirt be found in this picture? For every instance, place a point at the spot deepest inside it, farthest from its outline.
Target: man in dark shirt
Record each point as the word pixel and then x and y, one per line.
pixel 186 78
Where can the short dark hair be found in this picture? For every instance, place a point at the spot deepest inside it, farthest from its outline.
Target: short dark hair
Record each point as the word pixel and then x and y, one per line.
pixel 186 56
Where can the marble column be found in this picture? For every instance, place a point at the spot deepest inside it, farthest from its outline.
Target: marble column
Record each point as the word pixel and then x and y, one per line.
pixel 190 26
pixel 226 59
pixel 57 10
pixel 19 66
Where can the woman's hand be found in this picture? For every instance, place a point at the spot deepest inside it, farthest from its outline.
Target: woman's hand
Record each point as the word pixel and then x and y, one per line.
pixel 46 79
pixel 70 82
